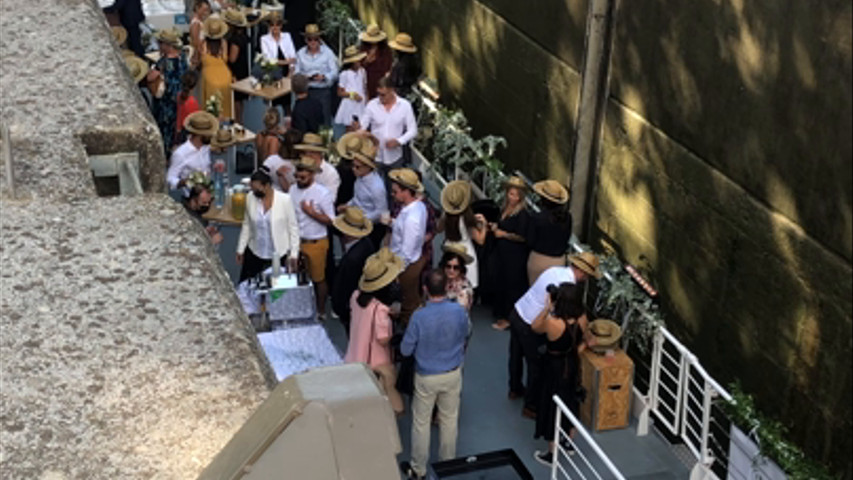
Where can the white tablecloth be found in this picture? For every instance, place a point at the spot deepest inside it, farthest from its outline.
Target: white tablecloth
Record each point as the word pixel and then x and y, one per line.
pixel 294 350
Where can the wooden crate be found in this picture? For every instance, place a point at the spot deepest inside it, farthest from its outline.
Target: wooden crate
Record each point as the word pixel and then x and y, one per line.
pixel 608 381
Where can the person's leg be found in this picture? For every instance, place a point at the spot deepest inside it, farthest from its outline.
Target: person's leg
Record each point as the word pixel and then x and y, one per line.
pixel 448 413
pixel 529 342
pixel 422 403
pixel 516 361
pixel 316 253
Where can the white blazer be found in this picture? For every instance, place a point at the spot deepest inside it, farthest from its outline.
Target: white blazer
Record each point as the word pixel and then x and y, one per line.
pixel 283 224
pixel 269 47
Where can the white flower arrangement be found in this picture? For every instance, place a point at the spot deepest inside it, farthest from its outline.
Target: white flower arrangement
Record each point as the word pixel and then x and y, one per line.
pixel 213 105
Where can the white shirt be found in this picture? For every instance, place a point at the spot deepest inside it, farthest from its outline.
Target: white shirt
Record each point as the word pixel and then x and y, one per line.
pixel 408 231
pixel 370 196
pixel 321 198
pixel 398 123
pixel 269 47
pixel 530 305
pixel 352 81
pixel 263 234
pixel 274 162
pixel 323 62
pixel 187 159
pixel 328 177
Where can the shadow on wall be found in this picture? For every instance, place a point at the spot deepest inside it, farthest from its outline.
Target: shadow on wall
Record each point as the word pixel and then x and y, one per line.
pixel 727 164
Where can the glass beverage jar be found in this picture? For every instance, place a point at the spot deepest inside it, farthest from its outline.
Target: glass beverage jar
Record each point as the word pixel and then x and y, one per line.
pixel 238 202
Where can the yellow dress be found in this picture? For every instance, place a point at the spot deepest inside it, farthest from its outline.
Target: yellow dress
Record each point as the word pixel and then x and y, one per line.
pixel 216 77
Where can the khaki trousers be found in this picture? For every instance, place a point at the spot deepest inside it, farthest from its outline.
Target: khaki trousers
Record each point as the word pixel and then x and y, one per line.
pixel 444 390
pixel 387 375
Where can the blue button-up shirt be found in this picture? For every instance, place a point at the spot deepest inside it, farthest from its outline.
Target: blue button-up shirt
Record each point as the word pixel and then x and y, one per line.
pixel 323 62
pixel 370 196
pixel 436 334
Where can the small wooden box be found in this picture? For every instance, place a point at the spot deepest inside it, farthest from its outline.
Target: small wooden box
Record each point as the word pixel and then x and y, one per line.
pixel 608 380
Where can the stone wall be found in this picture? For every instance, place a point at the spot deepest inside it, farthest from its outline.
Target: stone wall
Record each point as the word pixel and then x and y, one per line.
pixel 725 170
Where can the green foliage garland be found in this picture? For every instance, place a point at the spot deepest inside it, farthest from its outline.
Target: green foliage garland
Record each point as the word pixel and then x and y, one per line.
pixel 336 18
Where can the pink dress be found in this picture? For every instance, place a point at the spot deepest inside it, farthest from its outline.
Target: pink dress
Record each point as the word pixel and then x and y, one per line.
pixel 367 326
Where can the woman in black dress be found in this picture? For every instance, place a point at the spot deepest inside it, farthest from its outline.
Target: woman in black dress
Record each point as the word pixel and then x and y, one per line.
pixel 564 322
pixel 550 229
pixel 238 55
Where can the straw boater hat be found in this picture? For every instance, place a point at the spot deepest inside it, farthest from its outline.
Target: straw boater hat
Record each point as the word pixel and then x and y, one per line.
pixel 515 182
pixel 137 67
pixel 169 37
pixel 455 197
pixel 275 17
pixel 214 28
pixel 353 54
pixel 352 222
pixel 223 138
pixel 235 17
pixel 127 53
pixel 366 155
pixel 459 249
pixel 378 273
pixel 307 163
pixel 403 42
pixel 552 190
pixel 373 34
pixel 312 30
pixel 586 262
pixel 311 142
pixel 120 34
pixel 201 123
pixel 386 255
pixel 406 177
pixel 606 333
pixel 348 144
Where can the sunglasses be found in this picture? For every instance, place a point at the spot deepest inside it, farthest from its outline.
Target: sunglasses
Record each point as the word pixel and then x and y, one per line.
pixel 453 266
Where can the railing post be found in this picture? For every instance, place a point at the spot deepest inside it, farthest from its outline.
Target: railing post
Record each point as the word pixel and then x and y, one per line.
pixel 654 377
pixel 554 454
pixel 708 397
pixel 679 423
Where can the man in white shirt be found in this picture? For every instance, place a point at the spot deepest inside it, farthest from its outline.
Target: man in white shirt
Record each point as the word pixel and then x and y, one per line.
pixel 369 192
pixel 312 146
pixel 314 210
pixel 524 342
pixel 194 154
pixel 391 120
pixel 407 237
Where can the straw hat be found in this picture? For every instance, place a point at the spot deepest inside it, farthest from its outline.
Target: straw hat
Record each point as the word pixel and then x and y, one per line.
pixel 386 255
pixel 552 190
pixel 214 28
pixel 352 222
pixel 170 37
pixel 120 34
pixel 312 30
pixel 403 43
pixel 373 34
pixel 307 163
pixel 515 182
pixel 127 53
pixel 353 54
pixel 311 142
pixel 456 196
pixel 606 333
pixel 586 262
pixel 377 273
pixel 366 155
pixel 137 67
pixel 274 17
pixel 348 144
pixel 406 177
pixel 201 123
pixel 459 249
pixel 223 138
pixel 235 17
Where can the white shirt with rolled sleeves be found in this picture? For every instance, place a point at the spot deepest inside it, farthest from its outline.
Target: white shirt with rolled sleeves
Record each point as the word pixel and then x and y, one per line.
pixel 408 231
pixel 185 160
pixel 370 196
pixel 328 177
pixel 321 198
pixel 530 305
pixel 269 46
pixel 323 62
pixel 398 123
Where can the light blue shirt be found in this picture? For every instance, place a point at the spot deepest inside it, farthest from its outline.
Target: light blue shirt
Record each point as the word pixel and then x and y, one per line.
pixel 324 63
pixel 436 335
pixel 369 195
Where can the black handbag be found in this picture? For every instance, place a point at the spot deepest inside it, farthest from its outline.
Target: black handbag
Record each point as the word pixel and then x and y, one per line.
pixel 245 164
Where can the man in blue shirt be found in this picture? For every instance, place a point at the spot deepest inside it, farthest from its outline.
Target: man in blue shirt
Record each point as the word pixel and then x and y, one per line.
pixel 436 336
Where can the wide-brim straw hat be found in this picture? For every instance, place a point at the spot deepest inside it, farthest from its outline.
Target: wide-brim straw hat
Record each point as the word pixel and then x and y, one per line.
pixel 352 222
pixel 606 333
pixel 120 34
pixel 456 197
pixel 312 30
pixel 460 249
pixel 307 163
pixel 586 262
pixel 170 37
pixel 348 144
pixel 406 177
pixel 201 123
pixel 223 138
pixel 373 34
pixel 137 67
pixel 353 54
pixel 235 17
pixel 125 52
pixel 403 42
pixel 386 255
pixel 214 28
pixel 552 191
pixel 311 142
pixel 378 273
pixel 366 155
pixel 515 182
pixel 274 17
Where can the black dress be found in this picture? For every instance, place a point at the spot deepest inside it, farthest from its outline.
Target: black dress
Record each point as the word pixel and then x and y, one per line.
pixel 509 265
pixel 240 67
pixel 559 377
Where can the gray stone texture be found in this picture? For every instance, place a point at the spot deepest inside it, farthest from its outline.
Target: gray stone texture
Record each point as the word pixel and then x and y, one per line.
pixel 124 350
pixel 725 172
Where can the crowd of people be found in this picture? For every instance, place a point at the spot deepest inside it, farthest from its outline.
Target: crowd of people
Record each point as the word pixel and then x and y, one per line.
pixel 409 322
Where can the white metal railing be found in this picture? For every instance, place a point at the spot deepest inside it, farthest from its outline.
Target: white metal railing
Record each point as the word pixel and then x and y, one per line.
pixel 583 469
